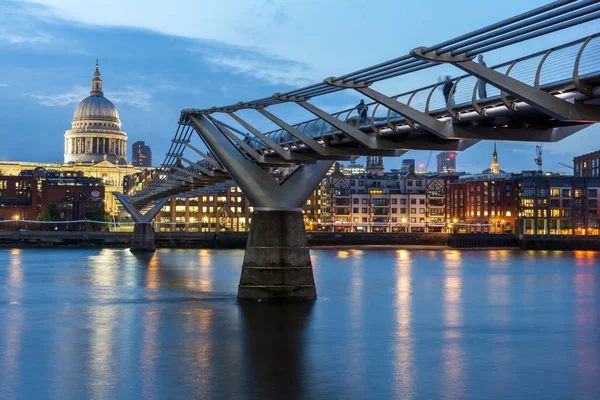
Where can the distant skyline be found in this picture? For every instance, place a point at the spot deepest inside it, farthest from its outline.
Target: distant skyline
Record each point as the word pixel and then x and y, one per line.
pixel 163 57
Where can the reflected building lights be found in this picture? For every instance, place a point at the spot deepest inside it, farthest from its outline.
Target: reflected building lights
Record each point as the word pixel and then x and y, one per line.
pixel 587 350
pixel 453 353
pixel 205 272
pixel 13 321
pixel 404 353
pixel 15 272
pixel 152 275
pixel 198 367
pixel 101 355
pixel 105 268
pixel 343 254
pixel 149 354
pixel 586 258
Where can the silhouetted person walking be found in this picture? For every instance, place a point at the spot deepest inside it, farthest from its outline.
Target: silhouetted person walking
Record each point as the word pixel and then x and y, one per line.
pixel 447 88
pixel 362 109
pixel 481 90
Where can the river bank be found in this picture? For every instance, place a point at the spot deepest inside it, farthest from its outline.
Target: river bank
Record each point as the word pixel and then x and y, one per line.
pixel 39 239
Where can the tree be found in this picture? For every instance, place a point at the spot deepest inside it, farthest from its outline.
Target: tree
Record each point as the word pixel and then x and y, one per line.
pixel 101 215
pixel 48 212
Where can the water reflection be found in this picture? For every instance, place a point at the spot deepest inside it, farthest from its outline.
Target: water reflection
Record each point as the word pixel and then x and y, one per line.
pixel 152 274
pixel 587 333
pixel 389 324
pixel 404 370
pixel 11 328
pixel 105 267
pixel 148 359
pixel 453 353
pixel 275 343
pixel 586 258
pixel 101 356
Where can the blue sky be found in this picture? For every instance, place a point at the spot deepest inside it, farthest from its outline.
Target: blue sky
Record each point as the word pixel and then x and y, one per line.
pixel 158 57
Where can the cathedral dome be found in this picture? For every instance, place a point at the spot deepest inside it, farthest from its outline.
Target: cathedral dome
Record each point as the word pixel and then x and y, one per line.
pixel 96 107
pixel 95 133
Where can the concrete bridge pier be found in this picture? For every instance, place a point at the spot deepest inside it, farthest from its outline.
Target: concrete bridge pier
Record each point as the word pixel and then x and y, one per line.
pixel 277 264
pixel 143 239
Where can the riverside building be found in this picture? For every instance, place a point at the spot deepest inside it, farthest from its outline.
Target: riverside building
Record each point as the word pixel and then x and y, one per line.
pixel 73 195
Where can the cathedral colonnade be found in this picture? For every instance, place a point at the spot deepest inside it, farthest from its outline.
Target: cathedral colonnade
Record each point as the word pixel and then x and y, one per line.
pixel 96 145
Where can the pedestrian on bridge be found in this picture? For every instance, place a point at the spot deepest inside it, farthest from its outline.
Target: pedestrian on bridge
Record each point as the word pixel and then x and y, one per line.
pixel 362 109
pixel 481 87
pixel 447 89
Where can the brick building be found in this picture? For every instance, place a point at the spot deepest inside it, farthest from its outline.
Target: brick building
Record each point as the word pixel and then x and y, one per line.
pixel 76 197
pixel 485 203
pixel 587 165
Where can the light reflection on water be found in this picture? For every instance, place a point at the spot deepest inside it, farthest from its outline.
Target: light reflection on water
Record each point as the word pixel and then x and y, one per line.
pixel 105 324
pixel 453 382
pixel 404 370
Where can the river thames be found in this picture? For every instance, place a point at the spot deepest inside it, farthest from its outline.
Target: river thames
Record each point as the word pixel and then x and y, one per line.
pixel 404 324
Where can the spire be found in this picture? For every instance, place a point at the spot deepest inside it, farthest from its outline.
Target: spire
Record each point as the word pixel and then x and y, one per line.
pixel 495 167
pixel 97 83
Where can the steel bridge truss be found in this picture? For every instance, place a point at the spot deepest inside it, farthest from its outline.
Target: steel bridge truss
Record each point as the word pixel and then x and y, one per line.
pixel 543 97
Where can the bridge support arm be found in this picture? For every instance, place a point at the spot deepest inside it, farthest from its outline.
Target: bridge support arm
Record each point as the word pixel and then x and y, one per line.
pixel 143 234
pixel 541 100
pixel 277 265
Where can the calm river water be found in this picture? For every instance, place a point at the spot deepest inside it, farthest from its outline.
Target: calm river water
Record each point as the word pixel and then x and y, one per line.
pixel 388 324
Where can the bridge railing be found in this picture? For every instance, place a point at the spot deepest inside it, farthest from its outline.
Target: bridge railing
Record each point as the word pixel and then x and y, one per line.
pixel 545 68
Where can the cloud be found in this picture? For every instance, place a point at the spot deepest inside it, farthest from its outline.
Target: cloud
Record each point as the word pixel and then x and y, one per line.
pixel 275 72
pixel 4 85
pixel 131 96
pixel 75 95
pixel 18 39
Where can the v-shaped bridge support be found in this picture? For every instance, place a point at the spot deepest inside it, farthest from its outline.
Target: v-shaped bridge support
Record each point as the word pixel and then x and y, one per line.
pixel 143 235
pixel 277 262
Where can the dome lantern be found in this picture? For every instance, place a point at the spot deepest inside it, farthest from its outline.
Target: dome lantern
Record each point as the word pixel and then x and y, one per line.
pixel 96 83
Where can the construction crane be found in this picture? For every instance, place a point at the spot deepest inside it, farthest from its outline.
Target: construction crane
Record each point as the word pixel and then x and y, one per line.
pixel 566 165
pixel 538 159
pixel 429 159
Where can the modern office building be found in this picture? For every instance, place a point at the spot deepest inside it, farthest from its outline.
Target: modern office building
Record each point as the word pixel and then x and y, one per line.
pixel 407 164
pixel 558 205
pixel 446 162
pixel 141 155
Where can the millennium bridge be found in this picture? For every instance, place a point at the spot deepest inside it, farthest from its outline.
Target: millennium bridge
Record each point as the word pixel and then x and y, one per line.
pixel 543 97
